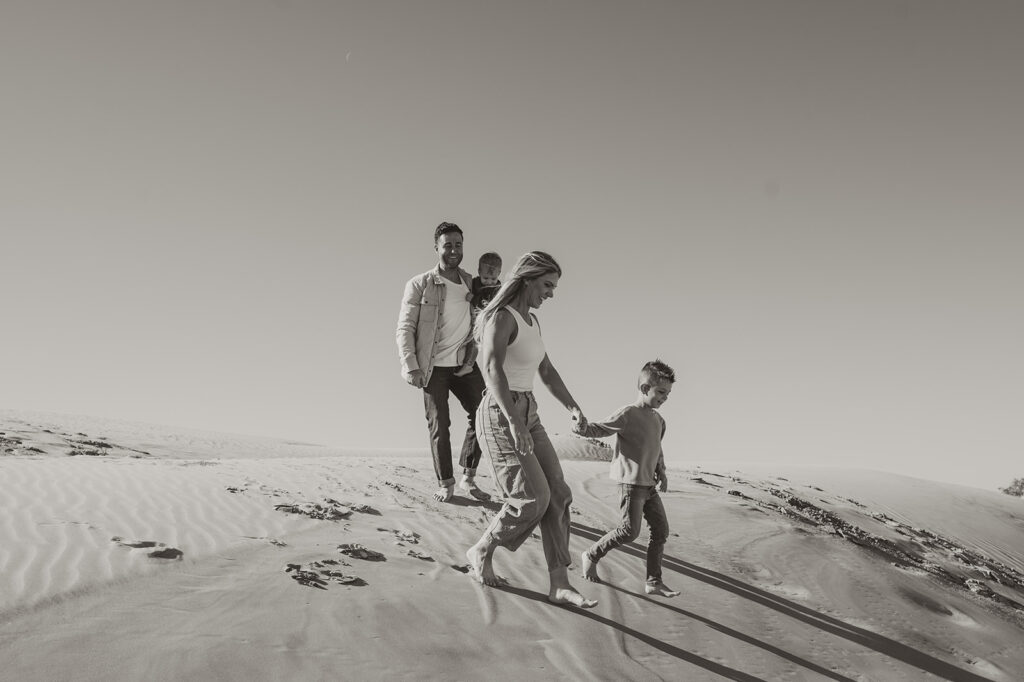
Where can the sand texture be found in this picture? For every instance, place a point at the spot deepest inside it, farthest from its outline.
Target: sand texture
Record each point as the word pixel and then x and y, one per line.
pixel 131 552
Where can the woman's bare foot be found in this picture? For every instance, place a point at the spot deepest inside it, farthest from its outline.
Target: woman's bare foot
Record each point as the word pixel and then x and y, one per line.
pixel 589 567
pixel 568 595
pixel 445 493
pixel 468 485
pixel 659 588
pixel 562 592
pixel 480 558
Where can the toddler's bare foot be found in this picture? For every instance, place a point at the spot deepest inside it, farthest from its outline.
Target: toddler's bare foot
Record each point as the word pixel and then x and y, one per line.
pixel 589 567
pixel 480 561
pixel 659 588
pixel 568 595
pixel 444 493
pixel 463 371
pixel 467 484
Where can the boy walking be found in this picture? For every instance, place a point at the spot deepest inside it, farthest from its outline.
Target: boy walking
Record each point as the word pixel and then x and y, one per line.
pixel 639 467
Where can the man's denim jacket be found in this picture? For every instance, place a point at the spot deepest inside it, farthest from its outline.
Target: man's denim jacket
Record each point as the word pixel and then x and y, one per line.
pixel 418 328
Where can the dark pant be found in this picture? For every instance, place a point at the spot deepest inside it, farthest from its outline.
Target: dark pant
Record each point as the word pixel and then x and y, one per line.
pixel 636 501
pixel 468 389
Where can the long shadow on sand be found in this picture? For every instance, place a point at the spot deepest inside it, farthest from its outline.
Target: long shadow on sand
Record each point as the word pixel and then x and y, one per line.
pixel 736 634
pixel 866 638
pixel 490 505
pixel 682 654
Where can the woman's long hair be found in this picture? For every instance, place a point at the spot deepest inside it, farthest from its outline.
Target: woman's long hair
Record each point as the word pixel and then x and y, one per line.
pixel 529 266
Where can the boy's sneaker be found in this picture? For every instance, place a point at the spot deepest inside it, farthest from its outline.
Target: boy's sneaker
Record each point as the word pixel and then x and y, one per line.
pixel 659 588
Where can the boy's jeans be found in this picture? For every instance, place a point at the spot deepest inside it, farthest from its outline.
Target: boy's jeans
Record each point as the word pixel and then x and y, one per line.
pixel 534 487
pixel 468 389
pixel 636 501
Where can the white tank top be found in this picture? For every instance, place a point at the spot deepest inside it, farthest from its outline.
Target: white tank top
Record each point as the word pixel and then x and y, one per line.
pixel 524 355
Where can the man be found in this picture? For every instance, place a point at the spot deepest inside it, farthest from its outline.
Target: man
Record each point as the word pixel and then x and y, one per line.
pixel 435 334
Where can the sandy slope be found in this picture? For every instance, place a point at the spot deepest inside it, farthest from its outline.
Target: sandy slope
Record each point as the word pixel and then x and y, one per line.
pixel 771 589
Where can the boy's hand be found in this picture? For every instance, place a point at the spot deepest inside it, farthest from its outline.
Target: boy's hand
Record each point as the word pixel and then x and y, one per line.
pixel 579 422
pixel 663 483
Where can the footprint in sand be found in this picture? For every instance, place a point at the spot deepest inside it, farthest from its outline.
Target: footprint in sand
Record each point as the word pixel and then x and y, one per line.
pixel 938 608
pixel 419 555
pixel 326 512
pixel 402 536
pixel 360 552
pixel 361 508
pixel 166 553
pixel 273 541
pixel 160 550
pixel 318 575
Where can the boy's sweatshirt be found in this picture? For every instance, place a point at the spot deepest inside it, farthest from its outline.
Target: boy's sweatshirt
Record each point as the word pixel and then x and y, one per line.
pixel 638 453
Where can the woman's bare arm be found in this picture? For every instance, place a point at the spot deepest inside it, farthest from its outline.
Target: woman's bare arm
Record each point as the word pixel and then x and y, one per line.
pixel 553 380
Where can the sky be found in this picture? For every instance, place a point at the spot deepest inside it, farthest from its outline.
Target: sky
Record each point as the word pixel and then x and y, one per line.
pixel 811 209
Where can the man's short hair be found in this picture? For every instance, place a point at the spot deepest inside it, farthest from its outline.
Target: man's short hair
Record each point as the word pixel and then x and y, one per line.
pixel 656 370
pixel 490 258
pixel 445 228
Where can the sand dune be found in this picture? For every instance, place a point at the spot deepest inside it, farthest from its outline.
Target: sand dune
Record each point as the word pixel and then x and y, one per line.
pixel 163 554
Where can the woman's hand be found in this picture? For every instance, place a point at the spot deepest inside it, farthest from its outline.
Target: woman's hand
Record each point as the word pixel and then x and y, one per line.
pixel 522 438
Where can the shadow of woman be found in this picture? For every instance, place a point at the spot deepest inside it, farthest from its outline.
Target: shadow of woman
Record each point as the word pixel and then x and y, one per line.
pixel 834 626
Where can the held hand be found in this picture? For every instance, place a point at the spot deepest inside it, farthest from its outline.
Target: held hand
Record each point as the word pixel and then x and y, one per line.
pixel 522 438
pixel 579 421
pixel 416 378
pixel 663 483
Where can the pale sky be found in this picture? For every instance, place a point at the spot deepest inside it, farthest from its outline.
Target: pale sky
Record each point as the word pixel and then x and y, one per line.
pixel 811 209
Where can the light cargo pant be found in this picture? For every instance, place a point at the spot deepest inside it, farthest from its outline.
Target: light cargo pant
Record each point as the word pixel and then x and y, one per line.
pixel 533 486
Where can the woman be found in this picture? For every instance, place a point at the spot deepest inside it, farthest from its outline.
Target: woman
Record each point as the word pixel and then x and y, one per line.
pixel 526 468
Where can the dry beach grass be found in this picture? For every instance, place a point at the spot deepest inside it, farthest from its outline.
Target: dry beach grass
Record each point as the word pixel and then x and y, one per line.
pixel 130 551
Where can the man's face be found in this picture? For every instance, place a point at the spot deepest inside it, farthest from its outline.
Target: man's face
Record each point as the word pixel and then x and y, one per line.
pixel 449 250
pixel 489 274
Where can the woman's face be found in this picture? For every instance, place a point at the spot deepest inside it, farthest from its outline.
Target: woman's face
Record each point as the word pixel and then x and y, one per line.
pixel 540 289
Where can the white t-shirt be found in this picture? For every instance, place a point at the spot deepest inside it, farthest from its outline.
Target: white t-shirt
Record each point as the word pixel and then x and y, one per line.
pixel 454 326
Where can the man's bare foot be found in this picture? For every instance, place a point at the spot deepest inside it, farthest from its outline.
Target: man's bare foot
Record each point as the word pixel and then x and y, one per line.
pixel 444 493
pixel 568 595
pixel 589 567
pixel 468 485
pixel 660 589
pixel 480 556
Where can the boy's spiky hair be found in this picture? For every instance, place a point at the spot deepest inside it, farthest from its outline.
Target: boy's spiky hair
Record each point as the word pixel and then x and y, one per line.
pixel 657 370
pixel 490 258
